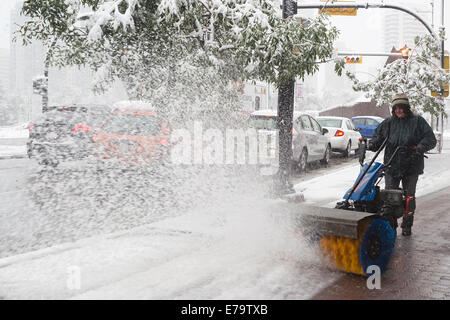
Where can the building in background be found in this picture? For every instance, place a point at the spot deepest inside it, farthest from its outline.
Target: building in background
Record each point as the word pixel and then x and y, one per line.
pixel 400 28
pixel 4 69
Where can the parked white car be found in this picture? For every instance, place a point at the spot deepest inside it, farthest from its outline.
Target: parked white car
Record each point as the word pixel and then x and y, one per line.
pixel 344 137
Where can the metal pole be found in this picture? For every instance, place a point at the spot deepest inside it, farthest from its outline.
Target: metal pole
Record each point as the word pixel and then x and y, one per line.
pixel 432 14
pixel 45 91
pixel 367 6
pixel 345 53
pixel 441 93
pixel 46 68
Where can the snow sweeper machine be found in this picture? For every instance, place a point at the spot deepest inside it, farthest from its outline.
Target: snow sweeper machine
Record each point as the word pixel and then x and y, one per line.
pixel 361 230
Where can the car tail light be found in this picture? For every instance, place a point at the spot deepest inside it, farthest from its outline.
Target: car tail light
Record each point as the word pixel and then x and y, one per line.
pixel 360 139
pixel 81 127
pixel 339 133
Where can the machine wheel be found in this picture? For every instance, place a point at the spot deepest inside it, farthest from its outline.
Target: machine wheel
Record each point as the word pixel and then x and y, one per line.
pixel 377 245
pixel 374 246
pixel 48 162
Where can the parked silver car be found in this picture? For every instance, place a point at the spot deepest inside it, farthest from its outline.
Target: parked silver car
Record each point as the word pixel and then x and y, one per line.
pixel 309 142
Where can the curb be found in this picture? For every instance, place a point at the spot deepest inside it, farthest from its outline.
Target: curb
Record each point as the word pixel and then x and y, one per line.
pixel 296 197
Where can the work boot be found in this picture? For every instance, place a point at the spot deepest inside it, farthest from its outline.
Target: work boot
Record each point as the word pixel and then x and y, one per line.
pixel 407 223
pixel 406 232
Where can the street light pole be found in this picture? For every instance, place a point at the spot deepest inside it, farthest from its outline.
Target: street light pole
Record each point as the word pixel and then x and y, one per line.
pixel 367 6
pixel 440 128
pixel 45 87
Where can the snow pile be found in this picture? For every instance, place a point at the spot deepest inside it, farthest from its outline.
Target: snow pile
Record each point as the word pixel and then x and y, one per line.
pixel 446 134
pixel 12 151
pixel 18 131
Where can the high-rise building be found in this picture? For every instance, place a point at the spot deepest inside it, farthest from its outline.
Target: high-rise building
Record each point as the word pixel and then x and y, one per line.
pixel 400 28
pixel 4 69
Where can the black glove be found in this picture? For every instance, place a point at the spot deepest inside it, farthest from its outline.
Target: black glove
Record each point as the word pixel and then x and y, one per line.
pixel 419 149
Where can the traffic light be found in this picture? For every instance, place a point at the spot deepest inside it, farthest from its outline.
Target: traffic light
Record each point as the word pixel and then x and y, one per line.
pixel 405 51
pixel 446 68
pixel 353 59
pixel 40 85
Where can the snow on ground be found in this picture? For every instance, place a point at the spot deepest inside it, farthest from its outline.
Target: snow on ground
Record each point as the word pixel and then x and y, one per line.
pixel 446 134
pixel 241 251
pixel 229 248
pixel 8 151
pixel 18 131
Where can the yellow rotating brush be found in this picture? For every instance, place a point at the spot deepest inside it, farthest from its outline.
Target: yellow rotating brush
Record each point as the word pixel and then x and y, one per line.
pixel 374 246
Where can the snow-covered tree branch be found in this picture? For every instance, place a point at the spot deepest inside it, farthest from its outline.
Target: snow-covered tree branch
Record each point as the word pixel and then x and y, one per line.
pixel 148 43
pixel 415 76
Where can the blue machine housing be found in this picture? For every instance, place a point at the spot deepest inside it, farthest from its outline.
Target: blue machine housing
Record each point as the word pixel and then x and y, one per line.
pixel 365 191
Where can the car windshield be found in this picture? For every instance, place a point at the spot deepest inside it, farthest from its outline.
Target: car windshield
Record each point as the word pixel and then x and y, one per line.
pixel 334 123
pixel 133 124
pixel 359 121
pixel 96 117
pixel 263 122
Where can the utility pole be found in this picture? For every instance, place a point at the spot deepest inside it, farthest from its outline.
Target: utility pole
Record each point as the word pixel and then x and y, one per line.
pixel 440 126
pixel 45 87
pixel 283 183
pixel 40 85
pixel 432 14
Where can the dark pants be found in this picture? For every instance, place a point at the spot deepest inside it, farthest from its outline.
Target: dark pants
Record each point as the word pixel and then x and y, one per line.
pixel 409 184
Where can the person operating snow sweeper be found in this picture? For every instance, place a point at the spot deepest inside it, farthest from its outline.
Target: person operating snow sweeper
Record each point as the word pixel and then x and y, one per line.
pixel 415 136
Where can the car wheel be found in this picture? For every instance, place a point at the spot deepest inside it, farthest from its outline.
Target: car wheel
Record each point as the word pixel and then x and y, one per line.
pixel 303 161
pixel 326 156
pixel 348 149
pixel 358 150
pixel 48 162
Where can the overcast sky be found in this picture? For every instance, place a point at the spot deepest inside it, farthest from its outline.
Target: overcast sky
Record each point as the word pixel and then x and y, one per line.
pixel 362 32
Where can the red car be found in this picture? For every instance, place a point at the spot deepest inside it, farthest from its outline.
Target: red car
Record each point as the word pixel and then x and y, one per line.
pixel 133 135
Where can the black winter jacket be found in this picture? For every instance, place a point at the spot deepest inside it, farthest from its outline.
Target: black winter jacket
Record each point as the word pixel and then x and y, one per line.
pixel 409 132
